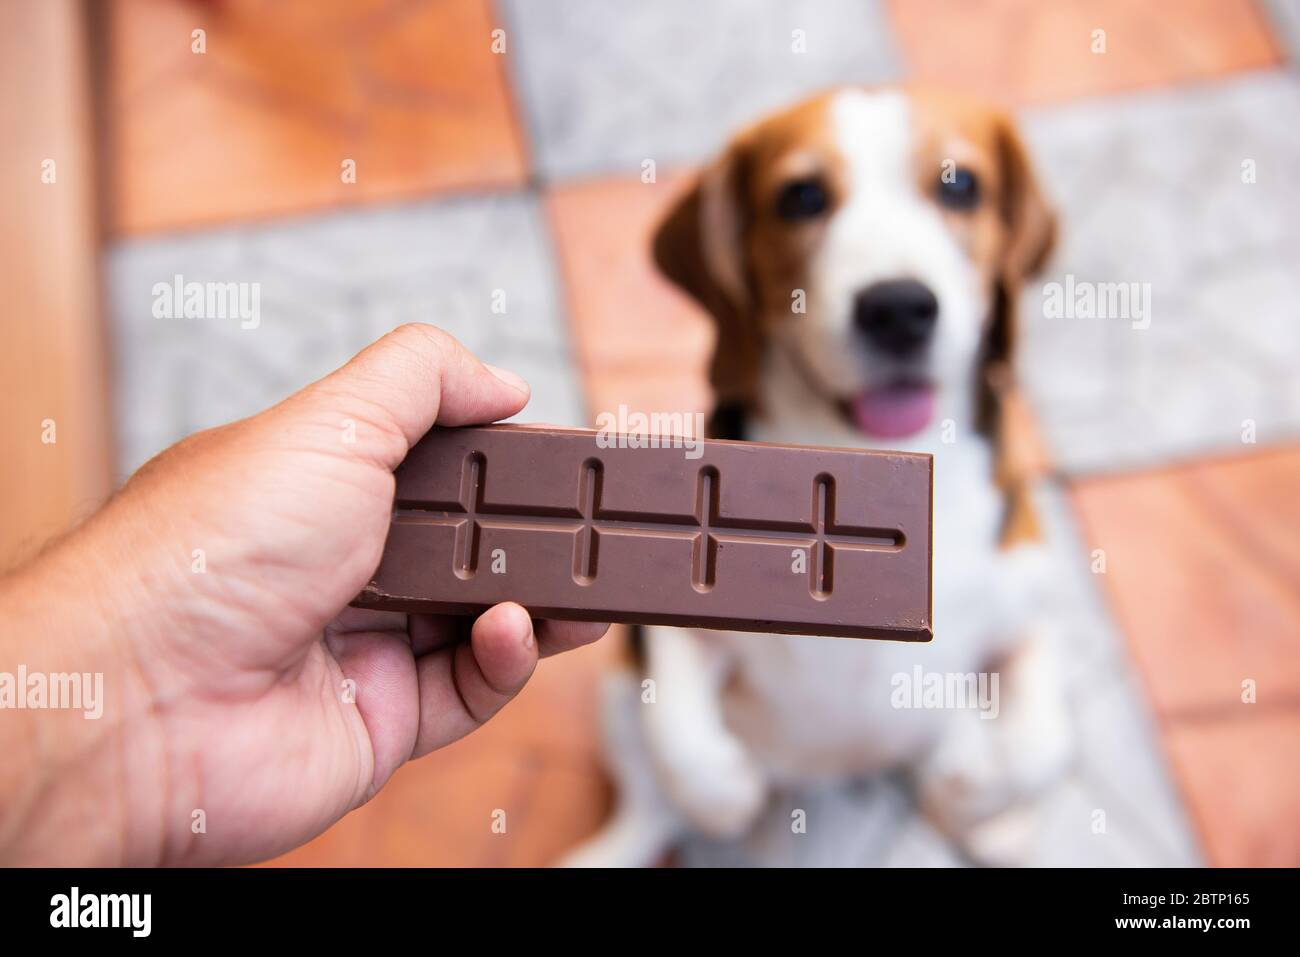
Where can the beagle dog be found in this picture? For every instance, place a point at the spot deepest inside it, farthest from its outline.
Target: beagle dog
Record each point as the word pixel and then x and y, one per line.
pixel 861 254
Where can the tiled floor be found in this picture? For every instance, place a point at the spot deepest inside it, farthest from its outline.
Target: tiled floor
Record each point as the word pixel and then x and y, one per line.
pixel 666 81
pixel 537 762
pixel 1284 15
pixel 1150 191
pixel 1143 149
pixel 1238 776
pixel 288 91
pixel 639 340
pixel 1165 534
pixel 328 285
pixel 1203 570
pixel 1049 52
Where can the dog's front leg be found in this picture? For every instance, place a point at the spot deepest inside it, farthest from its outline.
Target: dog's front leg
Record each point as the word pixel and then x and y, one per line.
pixel 707 770
pixel 981 781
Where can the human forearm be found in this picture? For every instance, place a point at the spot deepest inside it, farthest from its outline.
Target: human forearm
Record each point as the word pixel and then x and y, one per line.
pixel 73 695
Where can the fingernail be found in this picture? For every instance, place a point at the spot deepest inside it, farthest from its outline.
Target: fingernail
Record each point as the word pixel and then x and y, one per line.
pixel 529 638
pixel 509 378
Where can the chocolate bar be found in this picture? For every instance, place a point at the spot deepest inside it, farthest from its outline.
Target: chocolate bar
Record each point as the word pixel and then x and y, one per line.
pixel 590 526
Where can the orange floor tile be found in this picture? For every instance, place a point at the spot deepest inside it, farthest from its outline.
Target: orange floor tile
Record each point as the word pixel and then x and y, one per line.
pixel 1203 571
pixel 638 339
pixel 260 124
pixel 1242 787
pixel 537 760
pixel 1198 580
pixel 1030 51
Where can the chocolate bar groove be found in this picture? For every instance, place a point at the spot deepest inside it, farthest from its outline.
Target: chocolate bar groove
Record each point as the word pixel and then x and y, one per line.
pixel 588 543
pixel 822 538
pixel 704 546
pixel 655 536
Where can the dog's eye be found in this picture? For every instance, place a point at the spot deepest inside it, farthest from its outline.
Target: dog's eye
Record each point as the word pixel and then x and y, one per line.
pixel 959 188
pixel 802 199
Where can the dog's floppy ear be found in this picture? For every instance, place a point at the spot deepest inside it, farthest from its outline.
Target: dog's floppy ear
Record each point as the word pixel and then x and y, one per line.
pixel 1031 222
pixel 1029 231
pixel 700 247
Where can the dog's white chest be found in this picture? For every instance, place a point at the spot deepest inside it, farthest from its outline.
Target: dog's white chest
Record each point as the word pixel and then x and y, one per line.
pixel 818 705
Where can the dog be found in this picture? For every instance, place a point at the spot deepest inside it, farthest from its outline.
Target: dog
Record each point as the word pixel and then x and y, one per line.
pixel 861 254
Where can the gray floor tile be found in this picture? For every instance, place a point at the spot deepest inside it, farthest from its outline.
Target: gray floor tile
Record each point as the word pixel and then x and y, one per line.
pixel 1150 190
pixel 1068 835
pixel 918 844
pixel 328 286
pixel 1075 612
pixel 850 825
pixel 1119 764
pixel 1285 17
pixel 1122 764
pixel 608 85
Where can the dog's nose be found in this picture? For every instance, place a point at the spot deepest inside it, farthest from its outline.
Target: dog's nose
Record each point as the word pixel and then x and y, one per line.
pixel 896 316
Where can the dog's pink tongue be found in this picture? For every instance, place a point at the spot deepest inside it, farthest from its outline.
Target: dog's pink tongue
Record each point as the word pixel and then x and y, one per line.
pixel 894 411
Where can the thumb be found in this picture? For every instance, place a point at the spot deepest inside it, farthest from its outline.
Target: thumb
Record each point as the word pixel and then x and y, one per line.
pixel 415 376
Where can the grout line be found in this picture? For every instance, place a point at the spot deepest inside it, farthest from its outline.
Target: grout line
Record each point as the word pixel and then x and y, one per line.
pixel 1281 21
pixel 1182 462
pixel 1162 725
pixel 521 126
pixel 1230 713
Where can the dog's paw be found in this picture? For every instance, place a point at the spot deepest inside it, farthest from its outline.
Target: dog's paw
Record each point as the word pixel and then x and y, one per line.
pixel 1006 839
pixel 720 789
pixel 987 764
pixel 963 780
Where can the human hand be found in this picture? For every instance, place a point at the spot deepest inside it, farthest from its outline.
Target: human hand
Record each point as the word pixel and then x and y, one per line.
pixel 212 593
